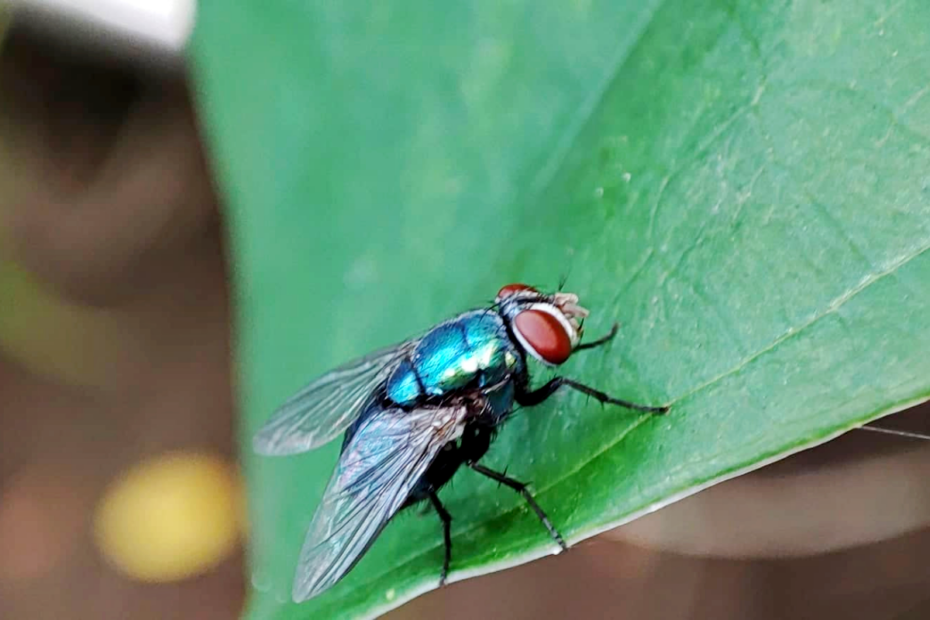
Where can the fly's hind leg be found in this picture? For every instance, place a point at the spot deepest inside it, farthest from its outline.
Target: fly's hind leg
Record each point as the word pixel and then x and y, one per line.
pixel 520 488
pixel 446 519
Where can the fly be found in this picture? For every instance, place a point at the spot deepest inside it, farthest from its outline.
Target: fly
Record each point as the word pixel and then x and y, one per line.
pixel 415 412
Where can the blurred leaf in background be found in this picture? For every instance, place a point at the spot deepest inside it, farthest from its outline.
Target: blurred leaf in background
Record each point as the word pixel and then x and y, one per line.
pixel 36 327
pixel 743 186
pixel 45 333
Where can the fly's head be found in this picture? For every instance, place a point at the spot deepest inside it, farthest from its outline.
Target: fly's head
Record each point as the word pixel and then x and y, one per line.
pixel 547 326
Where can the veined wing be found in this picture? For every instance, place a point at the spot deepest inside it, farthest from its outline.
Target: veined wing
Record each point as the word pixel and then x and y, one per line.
pixel 325 407
pixel 379 467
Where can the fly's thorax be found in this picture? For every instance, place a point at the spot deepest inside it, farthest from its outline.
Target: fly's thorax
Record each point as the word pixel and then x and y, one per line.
pixel 471 350
pixel 403 385
pixel 548 327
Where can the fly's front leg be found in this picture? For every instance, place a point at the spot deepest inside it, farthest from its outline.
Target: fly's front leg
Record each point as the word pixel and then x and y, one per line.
pixel 600 341
pixel 528 398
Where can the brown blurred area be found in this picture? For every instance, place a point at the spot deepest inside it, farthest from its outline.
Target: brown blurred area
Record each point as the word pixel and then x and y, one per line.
pixel 109 227
pixel 114 328
pixel 618 581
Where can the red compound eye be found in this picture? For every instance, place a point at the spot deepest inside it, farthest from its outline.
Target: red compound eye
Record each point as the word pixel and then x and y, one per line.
pixel 510 289
pixel 543 335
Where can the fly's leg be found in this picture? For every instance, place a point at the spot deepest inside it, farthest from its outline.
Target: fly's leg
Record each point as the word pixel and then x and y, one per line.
pixel 537 396
pixel 520 488
pixel 474 445
pixel 600 341
pixel 534 397
pixel 446 519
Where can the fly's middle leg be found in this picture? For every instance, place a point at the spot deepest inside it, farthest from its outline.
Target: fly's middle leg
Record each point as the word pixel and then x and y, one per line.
pixel 520 488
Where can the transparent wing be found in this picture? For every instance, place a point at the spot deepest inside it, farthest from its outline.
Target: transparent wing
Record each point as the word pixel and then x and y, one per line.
pixel 323 409
pixel 377 471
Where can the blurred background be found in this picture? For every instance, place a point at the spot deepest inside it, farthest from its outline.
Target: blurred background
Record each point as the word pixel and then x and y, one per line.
pixel 119 490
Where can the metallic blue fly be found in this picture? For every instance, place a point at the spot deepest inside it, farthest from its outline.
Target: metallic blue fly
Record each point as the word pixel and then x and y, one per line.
pixel 415 412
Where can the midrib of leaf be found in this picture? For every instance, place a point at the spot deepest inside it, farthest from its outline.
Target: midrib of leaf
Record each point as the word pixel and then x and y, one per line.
pixel 790 333
pixel 793 332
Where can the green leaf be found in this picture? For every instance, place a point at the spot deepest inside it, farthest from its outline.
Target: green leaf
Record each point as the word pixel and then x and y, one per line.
pixel 745 186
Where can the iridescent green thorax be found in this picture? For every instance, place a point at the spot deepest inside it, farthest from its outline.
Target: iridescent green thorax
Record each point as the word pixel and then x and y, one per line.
pixel 472 349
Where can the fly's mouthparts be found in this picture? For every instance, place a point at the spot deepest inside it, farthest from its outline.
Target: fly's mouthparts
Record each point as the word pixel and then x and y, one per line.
pixel 568 304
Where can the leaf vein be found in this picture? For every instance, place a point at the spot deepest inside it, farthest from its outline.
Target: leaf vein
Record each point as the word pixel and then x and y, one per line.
pixel 563 148
pixel 833 307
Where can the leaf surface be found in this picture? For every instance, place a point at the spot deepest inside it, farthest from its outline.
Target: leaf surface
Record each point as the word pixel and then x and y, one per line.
pixel 744 186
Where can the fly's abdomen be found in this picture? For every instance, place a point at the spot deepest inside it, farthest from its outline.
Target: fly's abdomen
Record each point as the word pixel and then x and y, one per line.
pixel 472 349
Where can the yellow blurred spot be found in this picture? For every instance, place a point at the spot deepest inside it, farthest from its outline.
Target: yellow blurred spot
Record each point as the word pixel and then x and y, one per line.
pixel 170 518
